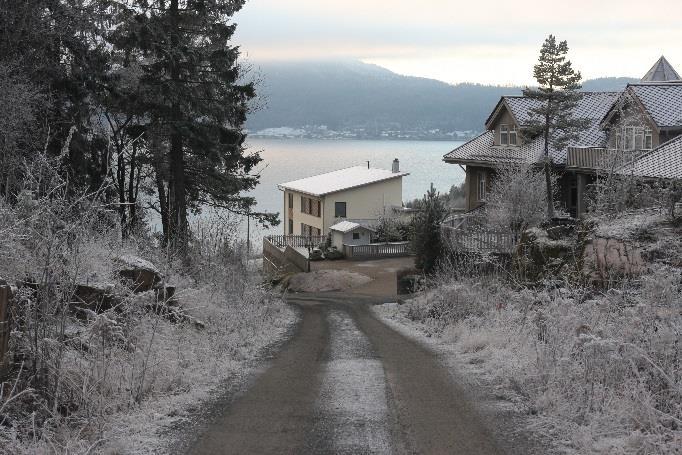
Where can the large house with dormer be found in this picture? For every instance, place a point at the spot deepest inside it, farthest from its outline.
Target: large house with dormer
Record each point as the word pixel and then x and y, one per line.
pixel 638 129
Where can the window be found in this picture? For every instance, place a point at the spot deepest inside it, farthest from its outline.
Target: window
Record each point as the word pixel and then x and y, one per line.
pixel 291 226
pixel 648 139
pixel 291 201
pixel 340 209
pixel 634 138
pixel 618 139
pixel 504 135
pixel 513 136
pixel 481 185
pixel 639 138
pixel 356 236
pixel 311 206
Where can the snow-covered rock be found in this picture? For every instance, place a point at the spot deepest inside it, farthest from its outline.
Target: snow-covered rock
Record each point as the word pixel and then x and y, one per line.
pixel 143 274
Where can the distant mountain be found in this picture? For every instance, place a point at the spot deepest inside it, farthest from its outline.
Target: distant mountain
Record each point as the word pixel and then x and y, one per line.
pixel 608 84
pixel 371 100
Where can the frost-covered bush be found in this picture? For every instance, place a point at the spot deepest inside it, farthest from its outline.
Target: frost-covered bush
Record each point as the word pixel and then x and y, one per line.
pixel 75 371
pixel 605 368
pixel 517 198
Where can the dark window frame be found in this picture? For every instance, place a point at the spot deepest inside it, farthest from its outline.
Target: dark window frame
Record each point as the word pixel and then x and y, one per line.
pixel 337 211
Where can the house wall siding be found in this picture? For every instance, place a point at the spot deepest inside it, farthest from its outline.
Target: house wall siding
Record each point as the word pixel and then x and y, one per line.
pixel 365 202
pixel 299 217
pixel 473 175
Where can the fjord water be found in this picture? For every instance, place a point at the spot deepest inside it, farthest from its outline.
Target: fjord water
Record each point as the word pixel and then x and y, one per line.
pixel 285 160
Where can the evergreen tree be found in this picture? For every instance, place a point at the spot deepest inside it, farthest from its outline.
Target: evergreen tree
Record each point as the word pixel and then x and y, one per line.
pixel 557 97
pixel 195 97
pixel 428 242
pixel 55 47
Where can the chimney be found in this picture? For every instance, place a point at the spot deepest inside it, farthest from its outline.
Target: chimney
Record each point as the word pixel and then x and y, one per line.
pixel 396 166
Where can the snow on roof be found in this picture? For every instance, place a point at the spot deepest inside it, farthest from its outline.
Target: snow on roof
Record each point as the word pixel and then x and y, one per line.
pixel 347 226
pixel 592 107
pixel 343 179
pixel 661 71
pixel 663 101
pixel 665 162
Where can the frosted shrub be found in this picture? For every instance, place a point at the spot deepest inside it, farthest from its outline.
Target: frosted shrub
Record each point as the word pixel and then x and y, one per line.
pixel 605 368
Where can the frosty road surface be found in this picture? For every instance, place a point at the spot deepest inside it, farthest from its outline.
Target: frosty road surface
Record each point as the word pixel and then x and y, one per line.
pixel 348 384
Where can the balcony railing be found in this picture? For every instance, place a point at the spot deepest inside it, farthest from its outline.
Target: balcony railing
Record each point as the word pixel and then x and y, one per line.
pixel 600 159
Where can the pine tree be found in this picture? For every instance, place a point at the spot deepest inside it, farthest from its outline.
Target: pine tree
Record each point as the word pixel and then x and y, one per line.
pixel 557 95
pixel 428 242
pixel 194 95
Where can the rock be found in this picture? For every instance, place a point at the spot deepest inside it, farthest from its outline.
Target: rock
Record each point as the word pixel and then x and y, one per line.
pixel 606 260
pixel 560 232
pixel 143 275
pixel 538 256
pixel 95 297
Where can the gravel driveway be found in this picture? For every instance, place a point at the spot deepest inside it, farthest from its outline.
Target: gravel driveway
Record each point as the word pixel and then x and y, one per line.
pixel 346 383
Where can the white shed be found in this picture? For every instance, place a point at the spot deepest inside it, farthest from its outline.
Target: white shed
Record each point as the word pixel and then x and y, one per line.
pixel 350 233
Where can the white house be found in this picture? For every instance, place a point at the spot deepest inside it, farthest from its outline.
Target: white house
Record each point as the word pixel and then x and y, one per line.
pixel 350 233
pixel 313 205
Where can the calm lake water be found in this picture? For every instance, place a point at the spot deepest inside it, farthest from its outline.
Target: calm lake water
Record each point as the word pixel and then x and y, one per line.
pixel 291 159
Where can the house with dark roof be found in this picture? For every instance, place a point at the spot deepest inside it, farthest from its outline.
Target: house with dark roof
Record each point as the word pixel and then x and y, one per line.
pixel 636 130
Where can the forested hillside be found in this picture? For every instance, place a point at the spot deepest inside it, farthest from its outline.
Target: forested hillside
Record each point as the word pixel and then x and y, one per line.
pixel 352 94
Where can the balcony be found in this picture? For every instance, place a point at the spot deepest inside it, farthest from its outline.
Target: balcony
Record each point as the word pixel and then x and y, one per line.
pixel 599 159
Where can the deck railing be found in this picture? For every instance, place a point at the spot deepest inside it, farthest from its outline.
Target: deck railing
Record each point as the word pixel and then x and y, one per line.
pixel 376 250
pixel 482 240
pixel 593 158
pixel 296 241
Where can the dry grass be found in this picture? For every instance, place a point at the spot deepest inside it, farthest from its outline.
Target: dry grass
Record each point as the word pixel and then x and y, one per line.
pixel 78 379
pixel 602 370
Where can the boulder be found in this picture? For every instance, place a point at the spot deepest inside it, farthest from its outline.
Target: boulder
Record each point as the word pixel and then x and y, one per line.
pixel 538 256
pixel 94 297
pixel 142 274
pixel 609 259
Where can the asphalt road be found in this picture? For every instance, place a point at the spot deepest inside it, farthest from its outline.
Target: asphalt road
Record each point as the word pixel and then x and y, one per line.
pixel 348 384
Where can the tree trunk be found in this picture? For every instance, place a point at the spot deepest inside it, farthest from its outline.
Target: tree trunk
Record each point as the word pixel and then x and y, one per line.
pixel 177 159
pixel 159 173
pixel 548 171
pixel 178 196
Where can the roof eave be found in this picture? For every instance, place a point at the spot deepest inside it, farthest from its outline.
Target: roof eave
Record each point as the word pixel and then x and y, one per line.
pixel 326 193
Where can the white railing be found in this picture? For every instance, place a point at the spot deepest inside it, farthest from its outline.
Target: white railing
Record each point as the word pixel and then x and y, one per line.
pixel 376 250
pixel 296 241
pixel 481 239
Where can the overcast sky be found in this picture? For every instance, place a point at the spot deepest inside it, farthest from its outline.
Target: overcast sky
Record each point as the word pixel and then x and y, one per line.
pixel 474 41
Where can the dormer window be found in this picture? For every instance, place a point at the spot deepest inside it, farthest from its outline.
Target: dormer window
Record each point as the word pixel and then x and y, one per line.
pixel 648 139
pixel 508 135
pixel 634 138
pixel 504 135
pixel 513 136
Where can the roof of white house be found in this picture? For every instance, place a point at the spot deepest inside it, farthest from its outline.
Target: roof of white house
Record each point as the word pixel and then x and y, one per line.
pixel 347 226
pixel 343 179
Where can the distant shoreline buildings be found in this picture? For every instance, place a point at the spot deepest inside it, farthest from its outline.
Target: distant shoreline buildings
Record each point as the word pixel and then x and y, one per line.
pixel 393 133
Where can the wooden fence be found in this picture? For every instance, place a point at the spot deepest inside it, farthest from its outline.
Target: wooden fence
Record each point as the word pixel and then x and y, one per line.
pixel 376 250
pixel 5 328
pixel 297 258
pixel 278 260
pixel 479 240
pixel 296 241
